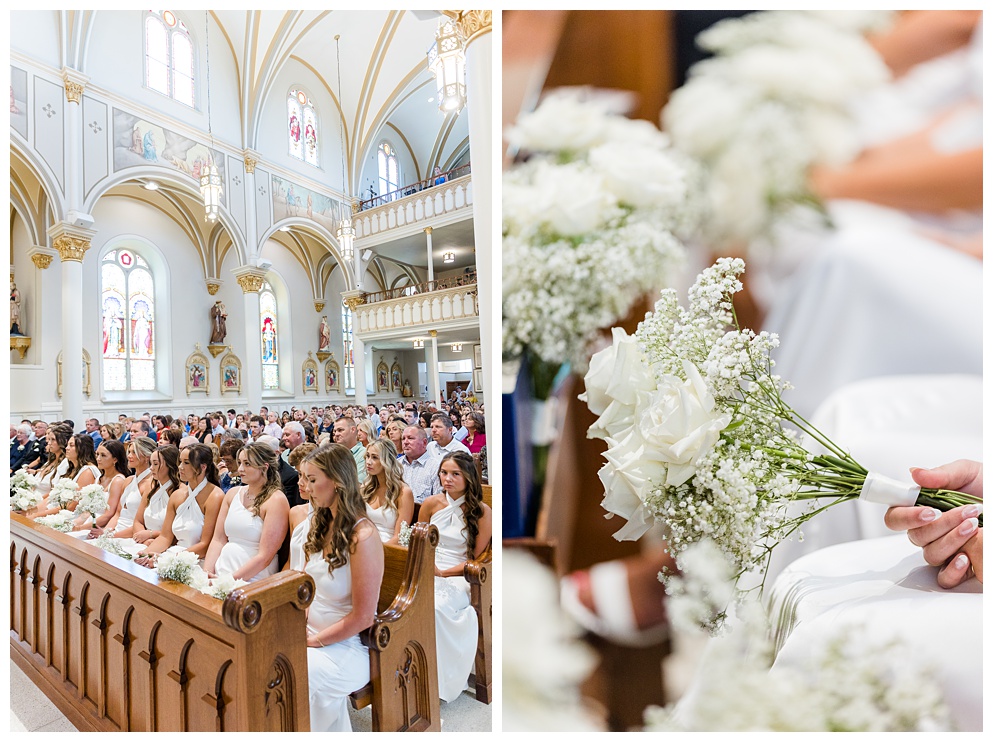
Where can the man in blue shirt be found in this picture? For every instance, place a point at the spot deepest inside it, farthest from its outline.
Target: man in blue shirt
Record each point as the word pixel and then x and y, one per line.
pixel 93 430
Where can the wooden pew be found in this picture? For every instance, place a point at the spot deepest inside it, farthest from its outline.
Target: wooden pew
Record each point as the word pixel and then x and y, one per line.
pixel 116 649
pixel 479 574
pixel 403 654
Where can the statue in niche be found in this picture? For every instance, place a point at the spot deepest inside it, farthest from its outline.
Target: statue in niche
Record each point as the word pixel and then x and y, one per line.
pixel 325 335
pixel 15 310
pixel 407 391
pixel 218 323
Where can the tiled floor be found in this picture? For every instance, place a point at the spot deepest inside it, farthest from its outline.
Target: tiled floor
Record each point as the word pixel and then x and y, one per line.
pixel 31 711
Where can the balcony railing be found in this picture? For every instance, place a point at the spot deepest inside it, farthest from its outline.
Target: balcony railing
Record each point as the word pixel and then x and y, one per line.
pixel 466 279
pixel 411 189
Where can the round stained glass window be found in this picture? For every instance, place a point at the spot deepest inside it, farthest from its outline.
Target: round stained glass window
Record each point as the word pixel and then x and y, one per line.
pixel 126 258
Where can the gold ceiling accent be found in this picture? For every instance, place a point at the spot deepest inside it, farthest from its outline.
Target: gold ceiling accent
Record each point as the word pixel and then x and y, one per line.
pixel 250 283
pixel 41 260
pixel 71 247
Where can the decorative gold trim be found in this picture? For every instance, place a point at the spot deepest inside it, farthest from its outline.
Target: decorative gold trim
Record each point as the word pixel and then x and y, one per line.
pixel 41 260
pixel 231 361
pixel 197 358
pixel 20 343
pixel 250 163
pixel 251 283
pixel 74 91
pixel 213 286
pixel 310 365
pixel 216 349
pixel 382 377
pixel 433 333
pixel 71 247
pixel 428 230
pixel 319 306
pixel 474 23
pixel 332 365
pixel 353 302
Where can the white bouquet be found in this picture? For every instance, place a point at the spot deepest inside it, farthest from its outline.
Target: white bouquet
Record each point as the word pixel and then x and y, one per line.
pixel 221 586
pixel 126 548
pixel 178 564
pixel 588 226
pixel 403 538
pixel 92 499
pixel 63 492
pixel 60 521
pixel 23 491
pixel 771 104
pixel 699 437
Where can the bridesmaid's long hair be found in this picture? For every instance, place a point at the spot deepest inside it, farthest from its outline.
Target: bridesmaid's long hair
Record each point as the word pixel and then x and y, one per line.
pixel 85 454
pixel 392 473
pixel 327 531
pixel 170 457
pixel 201 455
pixel 259 455
pixel 473 496
pixel 116 449
pixel 62 435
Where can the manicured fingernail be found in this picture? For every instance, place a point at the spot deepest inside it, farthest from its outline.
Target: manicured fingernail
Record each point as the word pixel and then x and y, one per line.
pixel 961 561
pixel 972 511
pixel 969 526
pixel 929 514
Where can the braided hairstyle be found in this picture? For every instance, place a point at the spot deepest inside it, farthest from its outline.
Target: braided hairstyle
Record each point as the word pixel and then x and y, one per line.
pixel 330 532
pixel 392 473
pixel 473 496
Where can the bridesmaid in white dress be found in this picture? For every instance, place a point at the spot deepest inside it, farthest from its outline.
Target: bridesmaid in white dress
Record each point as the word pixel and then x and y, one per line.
pixel 82 469
pixel 300 514
pixel 252 521
pixel 57 438
pixel 389 502
pixel 112 463
pixel 136 490
pixel 192 511
pixel 465 525
pixel 344 556
pixel 151 514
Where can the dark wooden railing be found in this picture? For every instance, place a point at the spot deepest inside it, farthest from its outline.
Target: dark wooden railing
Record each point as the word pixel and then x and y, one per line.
pixel 412 188
pixel 466 279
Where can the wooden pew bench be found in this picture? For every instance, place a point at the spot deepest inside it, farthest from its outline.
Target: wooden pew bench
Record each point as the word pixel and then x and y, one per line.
pixel 479 574
pixel 117 650
pixel 403 690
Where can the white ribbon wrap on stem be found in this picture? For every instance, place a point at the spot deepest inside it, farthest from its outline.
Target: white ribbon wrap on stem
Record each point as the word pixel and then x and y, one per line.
pixel 886 491
pixel 544 417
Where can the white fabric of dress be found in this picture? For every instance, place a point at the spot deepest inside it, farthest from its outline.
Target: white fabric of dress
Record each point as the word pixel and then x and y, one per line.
pixel 875 591
pixel 385 520
pixel 130 500
pixel 155 511
pixel 244 531
pixel 338 669
pixel 187 523
pixel 298 538
pixel 456 623
pixel 92 469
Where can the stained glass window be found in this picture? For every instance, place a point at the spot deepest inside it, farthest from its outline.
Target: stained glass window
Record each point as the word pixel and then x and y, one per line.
pixel 389 169
pixel 270 337
pixel 127 303
pixel 168 56
pixel 349 354
pixel 301 123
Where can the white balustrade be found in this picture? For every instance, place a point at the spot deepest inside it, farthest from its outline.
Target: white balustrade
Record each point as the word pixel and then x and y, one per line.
pixel 445 305
pixel 444 200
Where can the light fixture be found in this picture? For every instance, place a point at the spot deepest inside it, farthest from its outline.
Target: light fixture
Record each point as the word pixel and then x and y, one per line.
pixel 151 185
pixel 210 180
pixel 284 229
pixel 456 347
pixel 446 60
pixel 345 232
pixel 418 343
pixel 450 256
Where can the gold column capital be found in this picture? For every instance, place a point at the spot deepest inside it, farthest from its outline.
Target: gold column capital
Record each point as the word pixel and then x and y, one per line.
pixel 428 230
pixel 433 333
pixel 250 163
pixel 251 283
pixel 41 260
pixel 474 23
pixel 213 285
pixel 74 82
pixel 71 247
pixel 319 306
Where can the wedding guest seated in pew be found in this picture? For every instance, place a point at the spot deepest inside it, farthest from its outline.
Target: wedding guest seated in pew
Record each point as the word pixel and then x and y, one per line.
pixel 389 501
pixel 192 511
pixel 228 467
pixel 152 510
pixel 112 461
pixel 465 525
pixel 253 519
pixel 300 514
pixel 136 489
pixel 82 468
pixel 344 556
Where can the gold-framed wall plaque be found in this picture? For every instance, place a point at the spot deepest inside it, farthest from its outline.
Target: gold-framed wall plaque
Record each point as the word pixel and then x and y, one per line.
pixel 396 375
pixel 332 375
pixel 87 388
pixel 230 374
pixel 382 377
pixel 197 372
pixel 309 372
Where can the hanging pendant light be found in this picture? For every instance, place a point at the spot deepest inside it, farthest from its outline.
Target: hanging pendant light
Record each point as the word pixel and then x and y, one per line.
pixel 210 179
pixel 345 232
pixel 446 60
pixel 418 343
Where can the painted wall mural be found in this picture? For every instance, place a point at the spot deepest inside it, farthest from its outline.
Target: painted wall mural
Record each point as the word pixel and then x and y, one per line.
pixel 291 200
pixel 19 101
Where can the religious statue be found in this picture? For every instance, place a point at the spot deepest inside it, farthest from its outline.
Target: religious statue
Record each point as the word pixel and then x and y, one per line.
pixel 15 309
pixel 407 391
pixel 218 323
pixel 325 331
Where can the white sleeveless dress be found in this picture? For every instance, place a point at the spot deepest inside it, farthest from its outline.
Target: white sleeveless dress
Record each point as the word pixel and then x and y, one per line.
pixel 187 524
pixel 46 482
pixel 385 520
pixel 297 540
pixel 155 511
pixel 83 531
pixel 338 669
pixel 456 623
pixel 130 500
pixel 92 469
pixel 244 532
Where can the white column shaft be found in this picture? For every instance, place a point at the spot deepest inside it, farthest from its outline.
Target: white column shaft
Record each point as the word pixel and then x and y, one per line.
pixel 430 255
pixel 434 381
pixel 72 342
pixel 253 352
pixel 358 354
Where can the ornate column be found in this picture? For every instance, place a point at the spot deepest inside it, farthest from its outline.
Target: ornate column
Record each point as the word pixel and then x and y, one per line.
pixel 251 210
pixel 74 83
pixel 427 234
pixel 71 242
pixel 434 381
pixel 354 299
pixel 250 279
pixel 476 26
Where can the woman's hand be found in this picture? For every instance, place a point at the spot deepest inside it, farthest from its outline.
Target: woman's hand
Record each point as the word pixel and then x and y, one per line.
pixel 95 532
pixel 146 560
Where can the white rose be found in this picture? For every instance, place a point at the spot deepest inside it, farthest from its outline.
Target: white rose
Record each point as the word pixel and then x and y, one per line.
pixel 640 177
pixel 616 375
pixel 572 199
pixel 561 123
pixel 680 423
pixel 627 478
